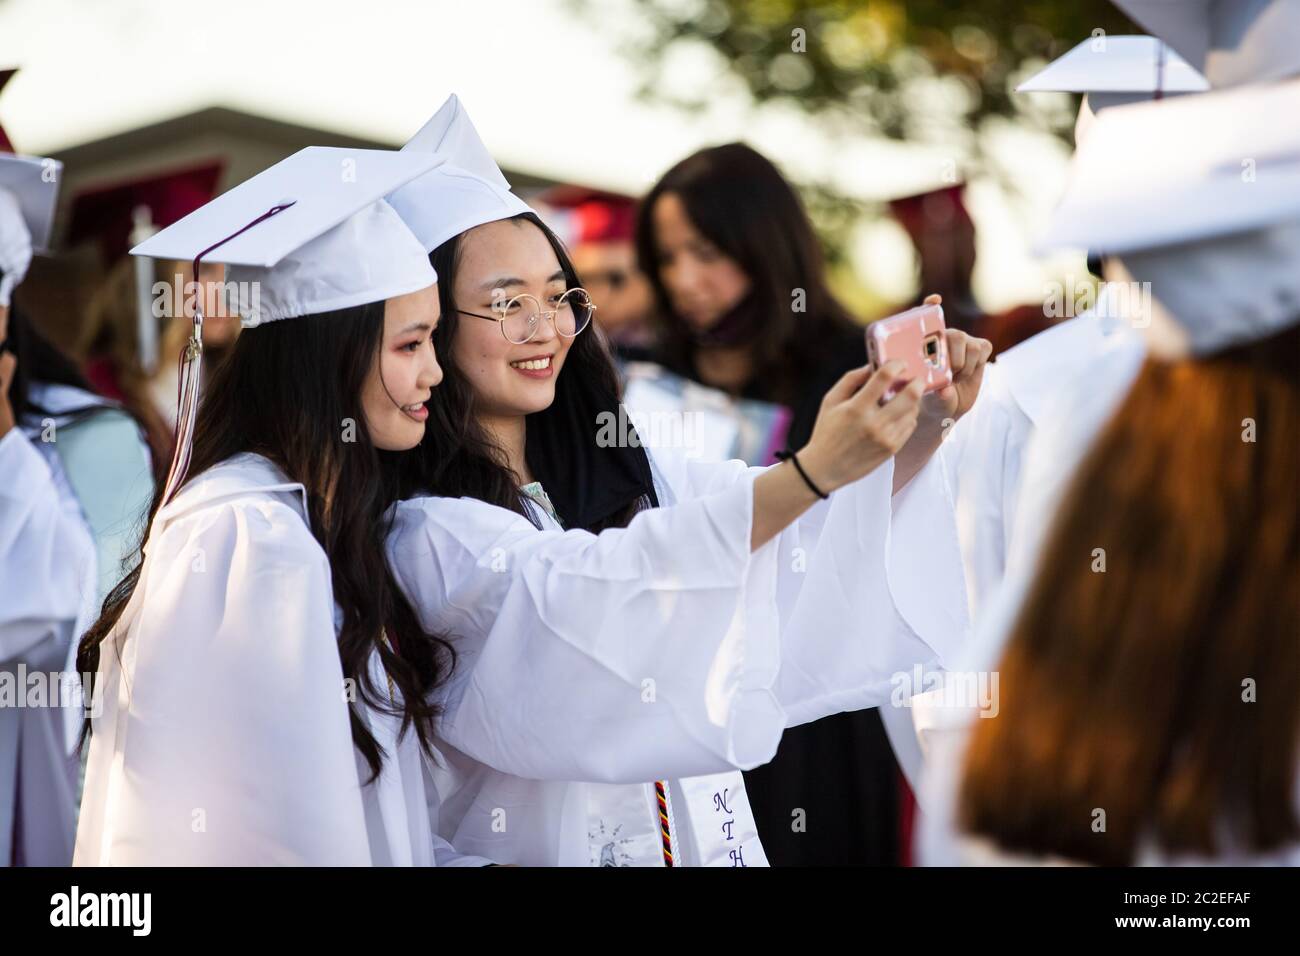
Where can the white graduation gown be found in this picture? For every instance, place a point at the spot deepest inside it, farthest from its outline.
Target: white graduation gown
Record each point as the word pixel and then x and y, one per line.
pixel 986 450
pixel 591 665
pixel 47 586
pixel 223 734
pixel 98 470
pixel 1066 431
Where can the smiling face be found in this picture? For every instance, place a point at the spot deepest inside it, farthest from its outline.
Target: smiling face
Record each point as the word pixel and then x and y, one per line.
pixel 404 372
pixel 703 283
pixel 498 261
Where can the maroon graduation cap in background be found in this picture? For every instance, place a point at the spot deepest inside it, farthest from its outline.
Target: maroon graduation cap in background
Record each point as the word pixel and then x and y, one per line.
pixel 591 215
pixel 111 214
pixel 122 214
pixel 937 210
pixel 6 146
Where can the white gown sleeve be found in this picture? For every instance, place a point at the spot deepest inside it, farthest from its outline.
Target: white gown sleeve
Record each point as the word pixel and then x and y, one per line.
pixel 228 742
pixel 869 586
pixel 615 658
pixel 43 552
pixel 985 456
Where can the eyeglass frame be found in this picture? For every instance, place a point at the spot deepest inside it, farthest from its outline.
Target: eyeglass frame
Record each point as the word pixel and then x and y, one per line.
pixel 547 313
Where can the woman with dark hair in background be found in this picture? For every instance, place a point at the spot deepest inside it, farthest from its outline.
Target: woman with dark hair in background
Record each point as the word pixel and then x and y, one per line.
pixel 740 284
pixel 77 480
pixel 739 279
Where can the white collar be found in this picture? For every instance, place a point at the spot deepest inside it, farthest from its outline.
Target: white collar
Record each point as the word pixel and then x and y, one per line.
pixel 61 400
pixel 240 474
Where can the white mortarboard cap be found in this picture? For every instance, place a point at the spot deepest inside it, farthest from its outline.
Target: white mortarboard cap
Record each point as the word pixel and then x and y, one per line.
pixel 334 244
pixel 29 188
pixel 450 132
pixel 1113 70
pixel 1200 196
pixel 34 181
pixel 311 234
pixel 368 257
pixel 468 190
pixel 1230 41
pixel 1157 173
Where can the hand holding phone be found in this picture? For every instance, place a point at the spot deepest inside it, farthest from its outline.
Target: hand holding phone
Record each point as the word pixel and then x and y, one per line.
pixel 917 339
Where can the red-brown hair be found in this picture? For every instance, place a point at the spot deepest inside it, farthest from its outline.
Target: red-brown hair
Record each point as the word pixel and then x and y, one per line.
pixel 1166 690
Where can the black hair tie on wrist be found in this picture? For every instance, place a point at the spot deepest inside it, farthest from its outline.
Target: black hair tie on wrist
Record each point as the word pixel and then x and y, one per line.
pixel 789 455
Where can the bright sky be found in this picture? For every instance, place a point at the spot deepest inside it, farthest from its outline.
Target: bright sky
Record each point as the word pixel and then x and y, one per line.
pixel 550 94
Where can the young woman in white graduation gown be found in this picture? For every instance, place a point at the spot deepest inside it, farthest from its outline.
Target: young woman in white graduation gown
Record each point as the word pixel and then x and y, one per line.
pixel 1145 637
pixel 678 642
pixel 261 687
pixel 77 479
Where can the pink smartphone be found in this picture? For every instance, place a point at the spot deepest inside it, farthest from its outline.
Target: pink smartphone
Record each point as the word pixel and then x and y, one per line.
pixel 915 338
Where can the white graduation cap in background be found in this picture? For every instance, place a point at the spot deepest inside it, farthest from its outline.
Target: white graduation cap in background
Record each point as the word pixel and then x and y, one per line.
pixel 1165 172
pixel 29 189
pixel 1116 71
pixel 1230 41
pixel 1204 192
pixel 311 234
pixel 468 190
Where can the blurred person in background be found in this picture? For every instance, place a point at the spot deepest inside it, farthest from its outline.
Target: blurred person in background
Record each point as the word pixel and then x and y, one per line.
pixel 77 481
pixel 110 340
pixel 740 289
pixel 943 233
pixel 129 341
pixel 598 229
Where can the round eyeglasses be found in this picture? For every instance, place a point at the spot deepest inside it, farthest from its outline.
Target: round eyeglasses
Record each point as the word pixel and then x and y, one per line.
pixel 521 316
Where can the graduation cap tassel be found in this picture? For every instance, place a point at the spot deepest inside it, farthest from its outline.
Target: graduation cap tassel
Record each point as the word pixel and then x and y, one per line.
pixel 187 403
pixel 190 374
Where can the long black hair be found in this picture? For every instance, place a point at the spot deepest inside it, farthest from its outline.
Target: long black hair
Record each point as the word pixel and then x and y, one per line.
pixel 741 203
pixel 592 485
pixel 286 391
pixel 40 361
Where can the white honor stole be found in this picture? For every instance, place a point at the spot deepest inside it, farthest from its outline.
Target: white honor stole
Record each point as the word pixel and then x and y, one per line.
pixel 709 820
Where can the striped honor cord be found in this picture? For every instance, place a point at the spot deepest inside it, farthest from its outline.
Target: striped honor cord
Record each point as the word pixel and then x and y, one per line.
pixel 665 827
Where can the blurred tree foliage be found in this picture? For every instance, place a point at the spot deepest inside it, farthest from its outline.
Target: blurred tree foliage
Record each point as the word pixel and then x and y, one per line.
pixel 896 67
pixel 936 72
